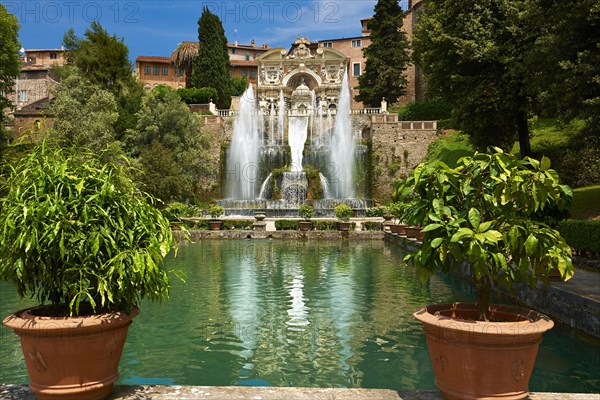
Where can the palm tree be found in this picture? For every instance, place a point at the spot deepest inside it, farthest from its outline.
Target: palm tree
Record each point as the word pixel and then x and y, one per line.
pixel 183 57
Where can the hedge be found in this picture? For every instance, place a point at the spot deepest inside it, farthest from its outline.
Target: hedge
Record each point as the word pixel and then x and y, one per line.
pixel 375 211
pixel 430 110
pixel 287 225
pixel 197 95
pixel 372 226
pixel 237 224
pixel 582 235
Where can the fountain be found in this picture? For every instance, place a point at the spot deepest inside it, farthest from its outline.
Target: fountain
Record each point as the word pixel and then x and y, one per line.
pixel 316 164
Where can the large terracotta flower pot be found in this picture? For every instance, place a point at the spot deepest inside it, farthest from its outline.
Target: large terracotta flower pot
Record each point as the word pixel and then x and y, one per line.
pixel 344 226
pixel 215 225
pixel 482 360
pixel 71 358
pixel 412 231
pixel 304 225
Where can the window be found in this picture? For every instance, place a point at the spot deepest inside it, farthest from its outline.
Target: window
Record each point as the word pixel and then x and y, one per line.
pixel 53 56
pixel 357 43
pixel 179 71
pixel 232 51
pixel 147 70
pixel 252 74
pixel 356 69
pixel 147 85
pixel 23 96
pixel 156 70
pixel 165 71
pixel 328 44
pixel 243 73
pixel 247 57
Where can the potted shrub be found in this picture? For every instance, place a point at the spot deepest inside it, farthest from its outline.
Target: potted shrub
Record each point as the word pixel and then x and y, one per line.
pixel 215 212
pixel 481 212
pixel 343 213
pixel 306 212
pixel 395 210
pixel 82 239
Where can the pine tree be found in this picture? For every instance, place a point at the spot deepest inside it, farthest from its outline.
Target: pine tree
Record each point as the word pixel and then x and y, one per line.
pixel 212 66
pixel 387 56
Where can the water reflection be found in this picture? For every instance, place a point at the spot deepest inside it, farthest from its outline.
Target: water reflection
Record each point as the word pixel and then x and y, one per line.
pixel 316 314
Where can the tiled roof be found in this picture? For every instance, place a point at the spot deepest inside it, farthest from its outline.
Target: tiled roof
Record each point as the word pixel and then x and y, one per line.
pixel 242 63
pixel 154 59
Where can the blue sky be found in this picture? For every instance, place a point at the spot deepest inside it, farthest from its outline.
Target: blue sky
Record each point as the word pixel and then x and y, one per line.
pixel 152 27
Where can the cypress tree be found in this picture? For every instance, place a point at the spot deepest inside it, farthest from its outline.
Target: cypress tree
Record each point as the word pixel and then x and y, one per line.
pixel 387 56
pixel 212 67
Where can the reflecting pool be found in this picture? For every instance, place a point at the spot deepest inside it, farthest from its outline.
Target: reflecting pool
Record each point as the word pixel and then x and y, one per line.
pixel 317 314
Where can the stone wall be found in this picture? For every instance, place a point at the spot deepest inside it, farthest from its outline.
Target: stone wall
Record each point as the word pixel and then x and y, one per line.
pixel 396 146
pixel 395 150
pixel 210 183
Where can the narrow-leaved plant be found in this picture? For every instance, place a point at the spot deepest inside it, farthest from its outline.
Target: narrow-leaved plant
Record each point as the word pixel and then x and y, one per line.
pixel 76 231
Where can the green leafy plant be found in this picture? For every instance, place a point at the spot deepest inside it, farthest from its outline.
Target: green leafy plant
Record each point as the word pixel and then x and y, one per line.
pixel 379 211
pixel 480 212
pixel 215 211
pixel 343 212
pixel 372 226
pixel 75 231
pixel 305 211
pixel 287 225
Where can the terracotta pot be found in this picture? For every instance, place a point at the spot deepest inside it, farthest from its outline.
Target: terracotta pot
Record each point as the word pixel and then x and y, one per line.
pixel 215 225
pixel 71 358
pixel 344 226
pixel 482 360
pixel 412 231
pixel 304 226
pixel 395 229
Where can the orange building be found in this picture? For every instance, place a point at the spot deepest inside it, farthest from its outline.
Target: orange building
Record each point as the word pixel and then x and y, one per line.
pixel 153 71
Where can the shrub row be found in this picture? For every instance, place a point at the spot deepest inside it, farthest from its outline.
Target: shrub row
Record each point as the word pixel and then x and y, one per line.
pixel 197 95
pixel 375 211
pixel 292 225
pixel 228 224
pixel 372 226
pixel 582 235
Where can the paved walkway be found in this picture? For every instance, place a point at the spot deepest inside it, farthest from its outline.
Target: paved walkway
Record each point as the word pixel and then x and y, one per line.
pixel 21 392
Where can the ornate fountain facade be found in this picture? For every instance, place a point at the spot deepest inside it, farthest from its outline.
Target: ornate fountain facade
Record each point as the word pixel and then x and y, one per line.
pixel 293 140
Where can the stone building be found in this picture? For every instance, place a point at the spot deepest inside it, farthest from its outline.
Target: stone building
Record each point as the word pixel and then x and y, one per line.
pixel 154 70
pixel 36 78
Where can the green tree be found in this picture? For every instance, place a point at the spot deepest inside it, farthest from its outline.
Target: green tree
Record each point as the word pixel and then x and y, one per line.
pixel 474 55
pixel 84 113
pixel 104 60
pixel 101 57
pixel 567 57
pixel 212 67
pixel 387 56
pixel 10 65
pixel 168 146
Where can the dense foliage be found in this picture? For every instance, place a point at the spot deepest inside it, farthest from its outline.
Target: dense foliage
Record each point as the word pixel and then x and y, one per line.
pixel 499 61
pixel 482 211
pixel 372 226
pixel 387 56
pixel 10 65
pixel 212 67
pixel 84 113
pixel 75 230
pixel 430 110
pixel 197 95
pixel 167 144
pixel 287 224
pixel 582 235
pixel 305 211
pixel 473 55
pixel 343 212
pixel 103 59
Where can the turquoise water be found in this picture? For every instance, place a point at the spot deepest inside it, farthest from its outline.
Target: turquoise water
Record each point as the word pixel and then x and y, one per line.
pixel 316 314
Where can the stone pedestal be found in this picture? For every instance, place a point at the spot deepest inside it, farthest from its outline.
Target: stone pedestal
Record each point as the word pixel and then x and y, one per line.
pixel 259 226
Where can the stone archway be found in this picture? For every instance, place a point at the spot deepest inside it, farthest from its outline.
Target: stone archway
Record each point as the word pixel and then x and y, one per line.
pixel 294 78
